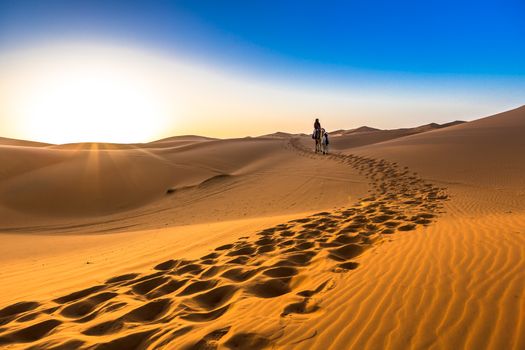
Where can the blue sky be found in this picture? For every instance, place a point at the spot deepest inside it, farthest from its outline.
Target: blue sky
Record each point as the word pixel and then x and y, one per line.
pixel 474 48
pixel 421 37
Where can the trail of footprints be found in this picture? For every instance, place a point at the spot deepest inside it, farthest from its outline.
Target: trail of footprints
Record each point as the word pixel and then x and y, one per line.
pixel 181 295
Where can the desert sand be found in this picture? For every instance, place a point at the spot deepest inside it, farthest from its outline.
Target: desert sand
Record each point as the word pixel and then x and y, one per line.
pixel 397 239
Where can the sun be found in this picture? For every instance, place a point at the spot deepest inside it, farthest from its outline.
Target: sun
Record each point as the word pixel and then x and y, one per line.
pixel 89 98
pixel 91 106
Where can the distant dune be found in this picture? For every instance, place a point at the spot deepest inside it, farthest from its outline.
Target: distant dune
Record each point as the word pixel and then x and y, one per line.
pixel 365 135
pixel 485 152
pixel 397 239
pixel 13 142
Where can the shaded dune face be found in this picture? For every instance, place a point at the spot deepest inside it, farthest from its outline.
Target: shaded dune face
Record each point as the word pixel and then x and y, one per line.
pixel 86 183
pixel 194 303
pixel 94 179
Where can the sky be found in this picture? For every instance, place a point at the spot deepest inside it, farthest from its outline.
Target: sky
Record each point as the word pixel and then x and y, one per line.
pixel 135 71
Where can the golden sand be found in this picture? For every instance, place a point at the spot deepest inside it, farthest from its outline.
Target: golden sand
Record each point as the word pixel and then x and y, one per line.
pixel 391 242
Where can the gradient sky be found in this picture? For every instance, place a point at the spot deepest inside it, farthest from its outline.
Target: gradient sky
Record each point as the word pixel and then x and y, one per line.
pixel 236 68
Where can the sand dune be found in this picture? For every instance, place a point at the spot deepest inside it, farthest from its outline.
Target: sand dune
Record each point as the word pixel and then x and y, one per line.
pixel 362 136
pixel 258 243
pixel 14 142
pixel 165 181
pixel 485 152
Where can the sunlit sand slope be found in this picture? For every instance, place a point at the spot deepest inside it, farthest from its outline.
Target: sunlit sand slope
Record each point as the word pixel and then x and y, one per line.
pixel 487 152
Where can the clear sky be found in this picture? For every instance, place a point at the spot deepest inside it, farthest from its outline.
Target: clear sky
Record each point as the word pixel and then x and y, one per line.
pixel 129 71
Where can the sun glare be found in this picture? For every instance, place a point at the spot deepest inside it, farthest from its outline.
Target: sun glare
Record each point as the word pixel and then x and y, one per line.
pixel 98 99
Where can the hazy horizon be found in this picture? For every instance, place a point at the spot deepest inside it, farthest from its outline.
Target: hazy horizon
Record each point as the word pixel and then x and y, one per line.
pixel 301 132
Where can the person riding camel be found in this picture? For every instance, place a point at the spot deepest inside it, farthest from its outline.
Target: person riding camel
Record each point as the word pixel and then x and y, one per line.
pixel 316 135
pixel 317 130
pixel 317 125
